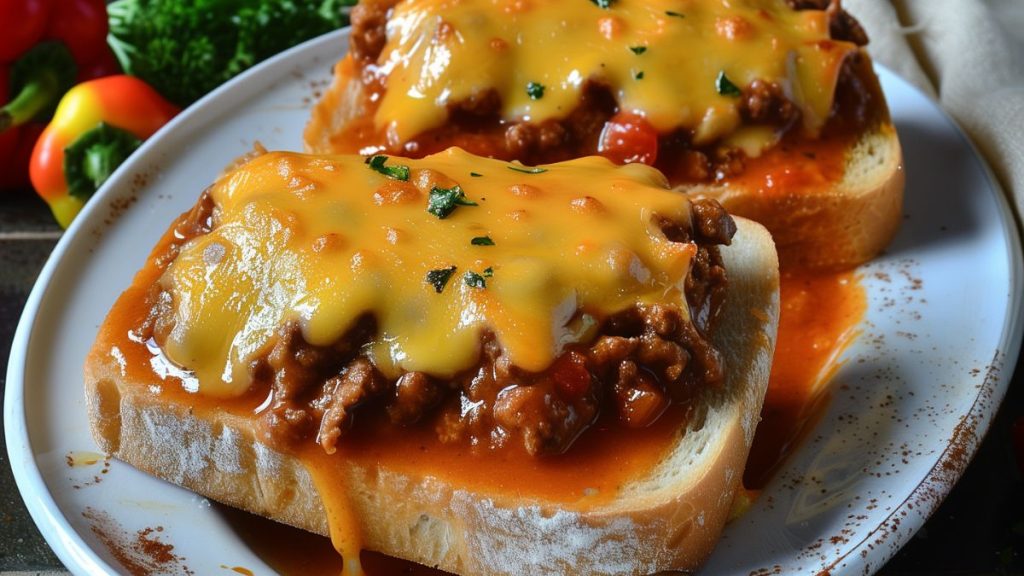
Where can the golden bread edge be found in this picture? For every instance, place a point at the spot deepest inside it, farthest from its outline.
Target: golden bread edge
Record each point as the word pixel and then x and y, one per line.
pixel 836 228
pixel 843 225
pixel 669 520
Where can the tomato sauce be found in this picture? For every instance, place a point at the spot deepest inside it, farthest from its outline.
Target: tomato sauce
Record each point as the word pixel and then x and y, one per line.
pixel 818 318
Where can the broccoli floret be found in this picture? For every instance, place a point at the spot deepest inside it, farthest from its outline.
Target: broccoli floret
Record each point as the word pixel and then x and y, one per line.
pixel 186 48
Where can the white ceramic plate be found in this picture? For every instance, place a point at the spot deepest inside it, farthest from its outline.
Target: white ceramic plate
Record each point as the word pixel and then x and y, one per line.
pixel 909 407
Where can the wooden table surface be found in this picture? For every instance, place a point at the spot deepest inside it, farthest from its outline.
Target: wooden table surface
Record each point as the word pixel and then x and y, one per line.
pixel 979 529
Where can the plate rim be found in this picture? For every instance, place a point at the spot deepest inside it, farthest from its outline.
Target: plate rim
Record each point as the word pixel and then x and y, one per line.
pixel 79 557
pixel 990 393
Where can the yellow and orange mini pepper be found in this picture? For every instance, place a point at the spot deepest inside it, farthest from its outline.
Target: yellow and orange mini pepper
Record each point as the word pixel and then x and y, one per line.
pixel 95 127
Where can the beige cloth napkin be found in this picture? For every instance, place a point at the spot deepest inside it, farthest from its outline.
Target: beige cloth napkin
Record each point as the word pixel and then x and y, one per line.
pixel 969 54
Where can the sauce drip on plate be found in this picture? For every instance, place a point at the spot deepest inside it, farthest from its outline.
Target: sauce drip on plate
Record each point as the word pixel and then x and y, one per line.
pixel 817 320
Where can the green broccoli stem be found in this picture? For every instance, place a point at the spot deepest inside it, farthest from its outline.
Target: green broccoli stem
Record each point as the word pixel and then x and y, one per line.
pixel 40 78
pixel 93 157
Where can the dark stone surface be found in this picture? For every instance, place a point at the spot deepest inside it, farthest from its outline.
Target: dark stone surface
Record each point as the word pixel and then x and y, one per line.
pixel 24 211
pixel 21 545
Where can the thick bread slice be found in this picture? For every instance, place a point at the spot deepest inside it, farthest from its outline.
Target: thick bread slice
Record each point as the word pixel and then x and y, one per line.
pixel 838 226
pixel 342 103
pixel 841 224
pixel 670 519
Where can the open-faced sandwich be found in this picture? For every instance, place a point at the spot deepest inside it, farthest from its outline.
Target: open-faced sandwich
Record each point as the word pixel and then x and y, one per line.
pixel 770 106
pixel 465 362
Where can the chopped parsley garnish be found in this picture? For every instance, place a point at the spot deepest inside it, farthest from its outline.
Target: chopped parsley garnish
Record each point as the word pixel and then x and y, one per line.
pixel 475 175
pixel 603 4
pixel 535 90
pixel 638 50
pixel 439 278
pixel 488 272
pixel 638 75
pixel 526 170
pixel 724 86
pixel 474 280
pixel 482 241
pixel 397 172
pixel 674 14
pixel 444 201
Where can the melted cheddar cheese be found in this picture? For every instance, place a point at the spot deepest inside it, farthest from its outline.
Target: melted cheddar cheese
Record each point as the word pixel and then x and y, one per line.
pixel 321 241
pixel 662 59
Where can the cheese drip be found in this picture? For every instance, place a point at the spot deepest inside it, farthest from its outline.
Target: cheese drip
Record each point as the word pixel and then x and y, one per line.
pixel 660 58
pixel 320 241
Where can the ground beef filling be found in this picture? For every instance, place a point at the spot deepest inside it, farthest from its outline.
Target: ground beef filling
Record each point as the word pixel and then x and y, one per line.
pixel 645 358
pixel 476 124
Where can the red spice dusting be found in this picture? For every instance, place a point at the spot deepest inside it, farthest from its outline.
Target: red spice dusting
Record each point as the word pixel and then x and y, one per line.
pixel 767 571
pixel 160 552
pixel 118 206
pixel 143 554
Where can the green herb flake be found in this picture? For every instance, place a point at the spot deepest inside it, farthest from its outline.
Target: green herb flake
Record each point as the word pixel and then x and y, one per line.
pixel 488 272
pixel 638 50
pixel 527 170
pixel 674 14
pixel 475 175
pixel 482 241
pixel 639 75
pixel 725 87
pixel 439 278
pixel 395 172
pixel 474 280
pixel 535 90
pixel 602 4
pixel 444 201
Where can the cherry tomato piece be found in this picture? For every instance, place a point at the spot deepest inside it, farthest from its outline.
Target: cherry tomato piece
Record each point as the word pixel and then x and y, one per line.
pixel 628 138
pixel 572 379
pixel 8 138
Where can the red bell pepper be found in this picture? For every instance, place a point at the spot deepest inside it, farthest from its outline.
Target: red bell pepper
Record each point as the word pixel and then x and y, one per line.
pixel 82 26
pixel 9 138
pixel 22 24
pixel 45 46
pixel 15 167
pixel 96 126
pixel 9 172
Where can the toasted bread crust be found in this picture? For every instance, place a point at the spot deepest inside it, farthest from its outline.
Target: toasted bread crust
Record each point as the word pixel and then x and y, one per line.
pixel 668 520
pixel 845 223
pixel 835 228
